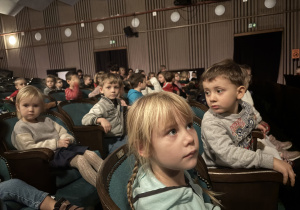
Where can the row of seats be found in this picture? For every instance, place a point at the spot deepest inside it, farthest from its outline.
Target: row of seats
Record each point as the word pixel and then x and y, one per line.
pixel 241 188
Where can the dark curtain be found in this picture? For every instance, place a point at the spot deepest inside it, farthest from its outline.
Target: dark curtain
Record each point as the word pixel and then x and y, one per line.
pixel 104 59
pixel 261 52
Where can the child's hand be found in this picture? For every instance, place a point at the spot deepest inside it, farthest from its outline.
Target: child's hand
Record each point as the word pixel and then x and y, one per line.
pixel 123 103
pixel 286 170
pixel 262 128
pixel 105 124
pixel 12 99
pixel 63 142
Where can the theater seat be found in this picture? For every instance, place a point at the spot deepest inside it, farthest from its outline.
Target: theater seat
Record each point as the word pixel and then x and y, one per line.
pixel 115 172
pixel 32 166
pixel 58 95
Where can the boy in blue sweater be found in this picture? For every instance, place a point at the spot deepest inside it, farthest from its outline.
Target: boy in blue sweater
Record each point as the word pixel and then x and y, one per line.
pixel 137 83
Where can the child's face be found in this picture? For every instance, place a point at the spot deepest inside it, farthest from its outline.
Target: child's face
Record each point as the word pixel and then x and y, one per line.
pixel 194 75
pixel 74 80
pixel 50 82
pixel 177 77
pixel 59 84
pixel 20 84
pixel 174 147
pixel 151 75
pixel 222 96
pixel 161 78
pixel 122 71
pixel 88 81
pixel 109 90
pixel 30 109
pixel 143 84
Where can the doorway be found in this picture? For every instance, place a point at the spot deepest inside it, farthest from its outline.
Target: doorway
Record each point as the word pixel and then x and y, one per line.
pixel 106 58
pixel 261 52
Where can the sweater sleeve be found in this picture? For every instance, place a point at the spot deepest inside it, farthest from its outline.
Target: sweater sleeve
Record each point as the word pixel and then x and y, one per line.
pixel 95 92
pixel 72 94
pixel 219 147
pixel 24 141
pixel 96 112
pixel 14 94
pixel 62 132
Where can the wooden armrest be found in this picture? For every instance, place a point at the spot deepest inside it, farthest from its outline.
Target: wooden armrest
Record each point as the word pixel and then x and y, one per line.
pixel 244 175
pixel 256 133
pixel 43 153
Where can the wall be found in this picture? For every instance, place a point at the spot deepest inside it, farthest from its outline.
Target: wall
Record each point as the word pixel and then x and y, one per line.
pixel 197 40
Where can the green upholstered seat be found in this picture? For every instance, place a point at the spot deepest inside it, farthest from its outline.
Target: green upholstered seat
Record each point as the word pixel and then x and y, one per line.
pixel 5 94
pixel 197 127
pixel 76 111
pixel 198 112
pixel 58 95
pixel 85 92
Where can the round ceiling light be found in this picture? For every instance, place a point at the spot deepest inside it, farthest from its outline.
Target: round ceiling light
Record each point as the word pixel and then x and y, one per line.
pixel 100 27
pixel 38 36
pixel 270 3
pixel 68 32
pixel 12 40
pixel 135 22
pixel 175 16
pixel 219 10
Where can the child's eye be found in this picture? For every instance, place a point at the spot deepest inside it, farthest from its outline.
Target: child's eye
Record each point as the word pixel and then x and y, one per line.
pixel 172 132
pixel 206 92
pixel 190 126
pixel 219 91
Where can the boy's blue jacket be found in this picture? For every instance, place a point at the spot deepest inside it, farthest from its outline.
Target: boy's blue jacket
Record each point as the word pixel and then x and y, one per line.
pixel 133 95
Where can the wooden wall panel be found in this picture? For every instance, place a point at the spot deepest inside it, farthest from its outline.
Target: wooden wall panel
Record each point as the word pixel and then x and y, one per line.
pixel 133 6
pixel 178 49
pixel 102 43
pixel 36 19
pixel 66 13
pixel 14 63
pixel 138 55
pixel 99 9
pixel 71 55
pixel 42 61
pixel 220 41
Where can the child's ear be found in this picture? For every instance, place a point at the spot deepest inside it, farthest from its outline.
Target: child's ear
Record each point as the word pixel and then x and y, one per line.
pixel 101 89
pixel 17 107
pixel 240 92
pixel 142 152
pixel 68 81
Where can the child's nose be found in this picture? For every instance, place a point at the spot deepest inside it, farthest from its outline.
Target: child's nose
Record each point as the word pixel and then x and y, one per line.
pixel 212 97
pixel 189 139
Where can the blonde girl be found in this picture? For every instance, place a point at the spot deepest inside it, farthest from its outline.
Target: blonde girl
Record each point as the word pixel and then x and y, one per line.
pixel 97 80
pixel 162 138
pixel 35 131
pixel 184 78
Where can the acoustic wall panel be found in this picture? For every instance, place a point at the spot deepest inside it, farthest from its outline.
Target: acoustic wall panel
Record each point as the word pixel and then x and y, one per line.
pixel 42 61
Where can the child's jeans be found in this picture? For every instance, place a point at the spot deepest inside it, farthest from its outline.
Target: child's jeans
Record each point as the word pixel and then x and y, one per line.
pixel 113 143
pixel 21 192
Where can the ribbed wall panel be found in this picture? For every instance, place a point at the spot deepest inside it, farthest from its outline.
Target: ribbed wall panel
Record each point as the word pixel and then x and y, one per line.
pixel 55 47
pixel 208 37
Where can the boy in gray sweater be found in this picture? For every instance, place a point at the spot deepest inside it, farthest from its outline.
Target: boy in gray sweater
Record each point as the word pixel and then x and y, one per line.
pixel 227 125
pixel 108 112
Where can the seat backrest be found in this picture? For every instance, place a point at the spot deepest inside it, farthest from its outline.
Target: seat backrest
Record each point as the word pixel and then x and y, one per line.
pixel 198 108
pixel 197 126
pixel 5 94
pixel 117 169
pixel 4 169
pixel 85 92
pixel 58 95
pixel 8 121
pixel 74 110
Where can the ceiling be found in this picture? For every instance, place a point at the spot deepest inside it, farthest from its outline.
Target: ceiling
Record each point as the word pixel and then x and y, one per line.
pixel 13 7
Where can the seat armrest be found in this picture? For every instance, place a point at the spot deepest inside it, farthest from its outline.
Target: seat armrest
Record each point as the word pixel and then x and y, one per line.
pixel 36 164
pixel 244 175
pixel 43 153
pixel 92 136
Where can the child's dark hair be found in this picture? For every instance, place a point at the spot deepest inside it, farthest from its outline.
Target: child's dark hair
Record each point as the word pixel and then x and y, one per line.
pixel 52 77
pixel 135 79
pixel 114 68
pixel 228 69
pixel 70 74
pixel 79 70
pixel 169 76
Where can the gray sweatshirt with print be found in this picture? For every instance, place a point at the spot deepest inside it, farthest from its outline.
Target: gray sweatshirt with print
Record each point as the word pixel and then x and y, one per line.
pixel 227 140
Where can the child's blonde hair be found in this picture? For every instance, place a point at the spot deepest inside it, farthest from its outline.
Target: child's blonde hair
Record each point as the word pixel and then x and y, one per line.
pixel 110 78
pixel 97 77
pixel 28 92
pixel 147 114
pixel 18 80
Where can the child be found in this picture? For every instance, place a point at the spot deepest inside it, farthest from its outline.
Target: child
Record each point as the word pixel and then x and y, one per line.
pixel 87 81
pixel 162 138
pixel 168 85
pixel 122 72
pixel 151 74
pixel 108 112
pixel 227 125
pixel 73 92
pixel 59 84
pixel 35 131
pixel 80 77
pixel 50 83
pixel 161 78
pixel 19 84
pixel 137 83
pixel 97 80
